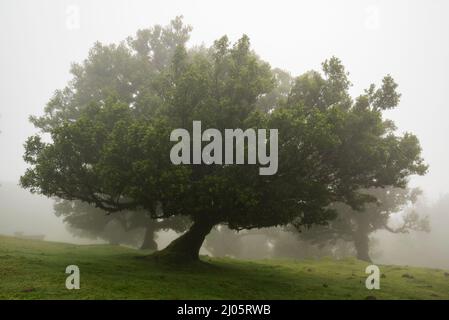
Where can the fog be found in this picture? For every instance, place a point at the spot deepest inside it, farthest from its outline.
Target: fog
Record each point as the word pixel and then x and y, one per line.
pixel 407 39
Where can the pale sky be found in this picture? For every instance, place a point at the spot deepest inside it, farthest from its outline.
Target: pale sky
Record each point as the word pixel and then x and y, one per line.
pixel 408 39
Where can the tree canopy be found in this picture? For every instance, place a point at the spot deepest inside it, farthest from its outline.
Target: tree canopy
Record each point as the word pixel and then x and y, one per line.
pixel 109 135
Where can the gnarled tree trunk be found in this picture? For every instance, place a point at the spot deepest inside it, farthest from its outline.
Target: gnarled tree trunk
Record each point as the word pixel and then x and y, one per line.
pixel 187 247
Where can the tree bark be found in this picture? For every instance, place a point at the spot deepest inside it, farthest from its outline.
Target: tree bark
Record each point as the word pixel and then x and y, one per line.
pixel 149 243
pixel 187 247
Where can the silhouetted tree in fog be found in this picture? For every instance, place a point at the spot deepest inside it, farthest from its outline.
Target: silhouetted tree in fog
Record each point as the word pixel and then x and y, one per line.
pixel 355 226
pixel 126 227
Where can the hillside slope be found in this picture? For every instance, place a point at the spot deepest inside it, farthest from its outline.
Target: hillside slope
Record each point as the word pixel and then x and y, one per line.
pixel 36 270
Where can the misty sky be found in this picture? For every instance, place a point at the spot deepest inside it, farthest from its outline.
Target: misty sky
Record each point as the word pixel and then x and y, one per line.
pixel 409 39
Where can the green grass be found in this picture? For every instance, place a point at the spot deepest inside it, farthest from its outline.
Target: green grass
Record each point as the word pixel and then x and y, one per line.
pixel 36 270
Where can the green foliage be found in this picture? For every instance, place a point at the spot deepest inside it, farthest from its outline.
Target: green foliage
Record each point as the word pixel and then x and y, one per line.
pixel 110 126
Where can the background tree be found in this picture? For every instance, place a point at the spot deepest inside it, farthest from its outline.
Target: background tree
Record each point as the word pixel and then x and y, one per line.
pixel 113 151
pixel 128 71
pixel 128 227
pixel 355 226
